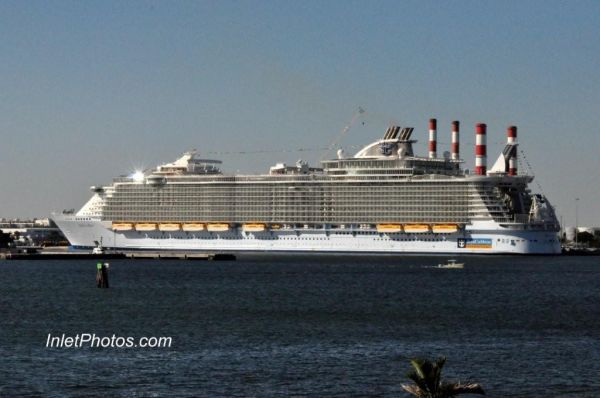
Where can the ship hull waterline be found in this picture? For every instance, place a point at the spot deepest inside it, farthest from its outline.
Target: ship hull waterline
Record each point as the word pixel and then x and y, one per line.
pixel 483 240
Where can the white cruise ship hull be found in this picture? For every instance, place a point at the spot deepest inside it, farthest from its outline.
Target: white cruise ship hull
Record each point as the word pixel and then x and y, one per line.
pixel 482 238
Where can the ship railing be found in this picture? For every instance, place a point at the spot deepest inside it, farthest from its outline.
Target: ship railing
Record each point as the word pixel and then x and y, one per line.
pixel 526 219
pixel 521 218
pixel 310 178
pixel 514 219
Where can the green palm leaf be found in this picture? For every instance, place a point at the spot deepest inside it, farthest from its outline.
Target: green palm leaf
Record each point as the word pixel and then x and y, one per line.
pixel 428 383
pixel 466 388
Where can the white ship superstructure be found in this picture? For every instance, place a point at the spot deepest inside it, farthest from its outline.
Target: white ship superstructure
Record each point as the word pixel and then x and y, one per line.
pixel 384 199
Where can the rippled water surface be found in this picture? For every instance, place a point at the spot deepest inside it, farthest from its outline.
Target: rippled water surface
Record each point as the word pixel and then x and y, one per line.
pixel 309 325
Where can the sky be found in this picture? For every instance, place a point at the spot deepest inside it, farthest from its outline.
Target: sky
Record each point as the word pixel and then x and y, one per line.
pixel 93 90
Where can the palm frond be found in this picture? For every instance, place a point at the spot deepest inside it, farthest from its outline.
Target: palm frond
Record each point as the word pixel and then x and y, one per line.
pixel 427 376
pixel 437 372
pixel 417 364
pixel 464 388
pixel 414 390
pixel 419 381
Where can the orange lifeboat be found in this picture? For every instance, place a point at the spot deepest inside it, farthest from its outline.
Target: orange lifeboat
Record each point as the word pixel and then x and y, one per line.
pixel 416 228
pixel 389 228
pixel 122 226
pixel 169 227
pixel 444 228
pixel 192 227
pixel 145 226
pixel 217 227
pixel 254 227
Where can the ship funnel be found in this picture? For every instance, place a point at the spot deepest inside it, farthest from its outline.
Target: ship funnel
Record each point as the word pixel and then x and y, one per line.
pixel 480 149
pixel 388 132
pixel 455 140
pixel 432 138
pixel 405 133
pixel 511 138
pixel 391 133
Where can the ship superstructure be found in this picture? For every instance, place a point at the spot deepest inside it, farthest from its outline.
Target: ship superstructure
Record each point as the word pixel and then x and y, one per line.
pixel 384 199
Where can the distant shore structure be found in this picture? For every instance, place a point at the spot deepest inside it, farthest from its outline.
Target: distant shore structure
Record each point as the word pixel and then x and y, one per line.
pixel 34 232
pixel 569 231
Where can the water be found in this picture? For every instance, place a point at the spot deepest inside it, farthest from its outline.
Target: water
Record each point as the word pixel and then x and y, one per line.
pixel 302 326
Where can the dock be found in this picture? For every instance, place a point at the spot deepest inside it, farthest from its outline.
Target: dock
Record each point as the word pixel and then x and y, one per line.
pixel 133 255
pixel 179 256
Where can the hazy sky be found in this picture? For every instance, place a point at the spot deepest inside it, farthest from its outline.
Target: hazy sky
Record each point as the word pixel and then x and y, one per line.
pixel 91 90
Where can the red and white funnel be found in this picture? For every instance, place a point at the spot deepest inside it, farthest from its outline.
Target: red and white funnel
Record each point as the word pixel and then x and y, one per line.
pixel 480 149
pixel 511 137
pixel 432 138
pixel 454 149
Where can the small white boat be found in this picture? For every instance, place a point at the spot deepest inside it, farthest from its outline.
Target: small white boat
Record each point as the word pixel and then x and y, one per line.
pixel 451 264
pixel 99 249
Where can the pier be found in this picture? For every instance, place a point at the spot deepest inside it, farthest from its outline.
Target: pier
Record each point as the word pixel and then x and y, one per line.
pixel 133 255
pixel 180 256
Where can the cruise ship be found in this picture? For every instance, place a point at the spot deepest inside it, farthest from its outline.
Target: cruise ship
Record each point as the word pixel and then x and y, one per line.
pixel 383 199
